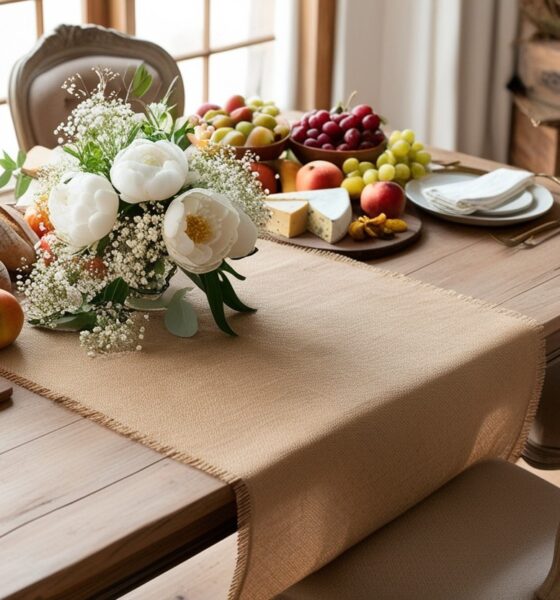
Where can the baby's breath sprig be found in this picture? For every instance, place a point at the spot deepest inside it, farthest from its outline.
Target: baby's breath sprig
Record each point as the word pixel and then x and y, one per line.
pixel 220 170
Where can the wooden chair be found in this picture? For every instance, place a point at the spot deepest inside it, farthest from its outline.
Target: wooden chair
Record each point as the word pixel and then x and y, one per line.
pixel 489 534
pixel 38 103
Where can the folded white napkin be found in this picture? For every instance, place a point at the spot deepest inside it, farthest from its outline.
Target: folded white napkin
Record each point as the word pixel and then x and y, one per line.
pixel 482 193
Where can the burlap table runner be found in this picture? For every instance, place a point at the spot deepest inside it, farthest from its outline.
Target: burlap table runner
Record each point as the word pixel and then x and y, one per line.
pixel 347 398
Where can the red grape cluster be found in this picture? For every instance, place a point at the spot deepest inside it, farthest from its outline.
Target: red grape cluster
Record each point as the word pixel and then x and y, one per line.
pixel 355 130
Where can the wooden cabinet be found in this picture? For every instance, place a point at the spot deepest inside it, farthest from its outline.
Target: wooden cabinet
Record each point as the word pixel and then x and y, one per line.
pixel 534 148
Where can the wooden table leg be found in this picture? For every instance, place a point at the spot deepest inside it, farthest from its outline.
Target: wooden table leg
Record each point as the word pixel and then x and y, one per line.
pixel 543 446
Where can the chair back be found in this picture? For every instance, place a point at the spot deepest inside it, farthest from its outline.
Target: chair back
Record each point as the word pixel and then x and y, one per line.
pixel 38 103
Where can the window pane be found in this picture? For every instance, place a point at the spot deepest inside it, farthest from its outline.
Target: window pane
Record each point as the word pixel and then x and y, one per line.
pixel 17 36
pixel 176 25
pixel 56 12
pixel 8 140
pixel 253 67
pixel 233 22
pixel 192 74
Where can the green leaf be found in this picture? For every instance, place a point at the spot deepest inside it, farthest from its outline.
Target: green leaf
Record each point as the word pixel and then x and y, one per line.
pixel 116 292
pixel 213 289
pixel 196 279
pixel 22 183
pixel 230 297
pixel 225 267
pixel 10 162
pixel 5 178
pixel 20 158
pixel 133 133
pixel 72 152
pixel 180 318
pixel 159 267
pixel 78 322
pixel 101 245
pixel 141 81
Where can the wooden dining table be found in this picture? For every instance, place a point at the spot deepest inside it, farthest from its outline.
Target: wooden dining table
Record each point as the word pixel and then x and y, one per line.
pixel 85 512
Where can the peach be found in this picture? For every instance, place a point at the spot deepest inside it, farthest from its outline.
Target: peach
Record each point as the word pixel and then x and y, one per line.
pixel 318 175
pixel 11 318
pixel 383 197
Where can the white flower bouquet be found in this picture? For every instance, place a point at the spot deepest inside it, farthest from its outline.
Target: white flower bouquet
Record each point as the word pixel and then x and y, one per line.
pixel 127 202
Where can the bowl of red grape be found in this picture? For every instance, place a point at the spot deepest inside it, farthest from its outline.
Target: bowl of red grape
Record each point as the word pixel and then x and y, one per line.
pixel 338 134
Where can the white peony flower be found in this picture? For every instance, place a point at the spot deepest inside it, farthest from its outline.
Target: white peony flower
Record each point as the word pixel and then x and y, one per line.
pixel 201 228
pixel 84 209
pixel 146 171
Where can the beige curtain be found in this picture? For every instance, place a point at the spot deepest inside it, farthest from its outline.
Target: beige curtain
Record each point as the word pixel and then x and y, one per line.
pixel 437 66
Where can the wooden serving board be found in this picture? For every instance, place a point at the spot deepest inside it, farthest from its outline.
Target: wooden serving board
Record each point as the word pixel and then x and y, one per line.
pixel 366 249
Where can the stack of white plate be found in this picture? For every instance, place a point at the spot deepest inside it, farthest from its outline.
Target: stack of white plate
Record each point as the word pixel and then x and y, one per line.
pixel 534 202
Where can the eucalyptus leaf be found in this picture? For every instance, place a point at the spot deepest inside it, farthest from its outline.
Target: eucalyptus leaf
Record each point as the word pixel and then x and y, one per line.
pixel 180 318
pixel 141 81
pixel 147 304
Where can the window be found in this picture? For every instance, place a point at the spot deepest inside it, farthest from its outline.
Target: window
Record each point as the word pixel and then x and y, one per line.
pixel 21 23
pixel 222 47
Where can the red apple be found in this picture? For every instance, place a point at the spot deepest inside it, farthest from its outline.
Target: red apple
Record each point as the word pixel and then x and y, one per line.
pixel 383 197
pixel 204 108
pixel 266 175
pixel 234 102
pixel 11 318
pixel 318 175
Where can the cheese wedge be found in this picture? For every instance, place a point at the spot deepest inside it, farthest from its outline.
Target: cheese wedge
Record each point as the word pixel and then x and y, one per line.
pixel 329 214
pixel 288 217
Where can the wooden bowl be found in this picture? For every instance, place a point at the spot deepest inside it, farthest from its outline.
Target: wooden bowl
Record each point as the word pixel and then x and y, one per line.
pixel 306 154
pixel 270 152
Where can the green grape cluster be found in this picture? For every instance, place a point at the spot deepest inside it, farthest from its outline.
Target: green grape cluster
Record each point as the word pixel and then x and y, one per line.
pixel 404 159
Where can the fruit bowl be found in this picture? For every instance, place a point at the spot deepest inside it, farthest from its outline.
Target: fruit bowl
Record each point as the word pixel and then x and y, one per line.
pixel 307 154
pixel 268 152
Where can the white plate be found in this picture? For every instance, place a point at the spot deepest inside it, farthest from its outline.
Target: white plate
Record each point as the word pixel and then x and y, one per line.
pixel 542 202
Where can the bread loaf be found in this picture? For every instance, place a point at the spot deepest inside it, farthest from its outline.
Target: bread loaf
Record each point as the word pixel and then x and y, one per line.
pixel 17 240
pixel 5 283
